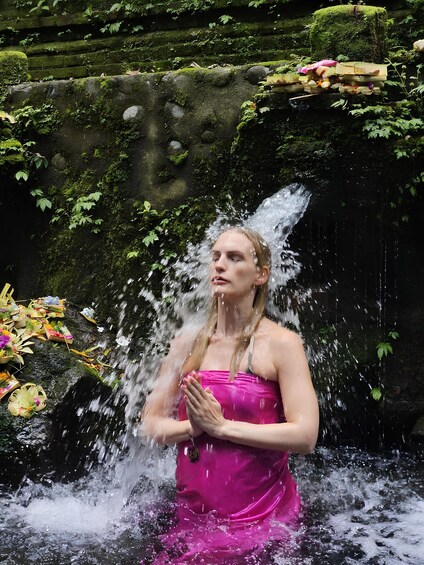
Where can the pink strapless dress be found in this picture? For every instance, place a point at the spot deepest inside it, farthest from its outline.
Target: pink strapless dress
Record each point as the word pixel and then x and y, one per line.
pixel 235 498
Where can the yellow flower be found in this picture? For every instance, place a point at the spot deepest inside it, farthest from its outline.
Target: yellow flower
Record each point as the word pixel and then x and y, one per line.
pixel 27 400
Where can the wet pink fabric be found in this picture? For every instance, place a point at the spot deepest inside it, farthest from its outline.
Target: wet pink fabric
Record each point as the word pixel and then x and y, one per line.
pixel 235 497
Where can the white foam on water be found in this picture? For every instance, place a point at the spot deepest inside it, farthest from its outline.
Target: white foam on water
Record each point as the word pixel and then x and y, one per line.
pixel 67 514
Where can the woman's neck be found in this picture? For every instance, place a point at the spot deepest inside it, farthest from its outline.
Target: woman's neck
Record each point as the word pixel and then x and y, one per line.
pixel 232 320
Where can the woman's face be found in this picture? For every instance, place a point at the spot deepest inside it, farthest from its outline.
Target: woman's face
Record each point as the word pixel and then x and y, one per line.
pixel 234 272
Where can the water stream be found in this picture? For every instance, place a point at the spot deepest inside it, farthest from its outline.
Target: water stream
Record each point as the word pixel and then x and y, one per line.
pixel 360 507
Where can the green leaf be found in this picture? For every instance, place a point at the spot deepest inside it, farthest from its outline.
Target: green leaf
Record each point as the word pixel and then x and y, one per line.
pixel 401 153
pixel 43 203
pixel 21 175
pixel 383 349
pixel 150 238
pixel 114 28
pixel 94 196
pixel 376 394
pixel 6 116
pixel 225 19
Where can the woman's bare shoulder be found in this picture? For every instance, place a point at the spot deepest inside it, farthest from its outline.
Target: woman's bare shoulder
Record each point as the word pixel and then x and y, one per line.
pixel 278 334
pixel 182 342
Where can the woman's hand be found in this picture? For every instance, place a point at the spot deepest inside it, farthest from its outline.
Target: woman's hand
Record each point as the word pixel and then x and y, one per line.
pixel 203 409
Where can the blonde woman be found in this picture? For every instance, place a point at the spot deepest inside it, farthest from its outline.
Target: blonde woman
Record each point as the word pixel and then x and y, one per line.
pixel 236 399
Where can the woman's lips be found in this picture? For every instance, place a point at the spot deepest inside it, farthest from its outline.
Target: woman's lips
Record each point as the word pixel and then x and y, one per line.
pixel 219 280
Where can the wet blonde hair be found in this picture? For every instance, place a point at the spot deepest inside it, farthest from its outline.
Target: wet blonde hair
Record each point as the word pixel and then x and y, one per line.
pixel 262 258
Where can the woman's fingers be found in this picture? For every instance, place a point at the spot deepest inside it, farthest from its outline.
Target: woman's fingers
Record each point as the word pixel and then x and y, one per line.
pixel 193 387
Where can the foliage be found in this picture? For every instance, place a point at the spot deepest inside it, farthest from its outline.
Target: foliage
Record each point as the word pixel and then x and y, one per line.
pixel 41 201
pixel 111 28
pixel 42 5
pixel 376 393
pixel 394 120
pixel 257 3
pixel 226 19
pixel 249 114
pixel 149 216
pixel 77 216
pixel 165 233
pixel 18 157
pixel 397 118
pixel 385 347
pixel 33 120
pixel 190 6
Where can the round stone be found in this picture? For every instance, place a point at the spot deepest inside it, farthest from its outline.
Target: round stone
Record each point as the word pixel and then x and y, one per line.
pixel 133 112
pixel 174 110
pixel 58 162
pixel 256 74
pixel 208 136
pixel 175 146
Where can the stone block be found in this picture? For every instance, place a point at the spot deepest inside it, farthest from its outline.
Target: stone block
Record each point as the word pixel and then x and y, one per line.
pixel 13 69
pixel 354 31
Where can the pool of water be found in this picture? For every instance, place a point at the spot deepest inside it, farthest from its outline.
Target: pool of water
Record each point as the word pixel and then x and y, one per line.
pixel 360 507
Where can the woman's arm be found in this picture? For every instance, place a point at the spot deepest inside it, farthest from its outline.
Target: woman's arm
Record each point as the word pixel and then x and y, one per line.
pixel 157 419
pixel 298 433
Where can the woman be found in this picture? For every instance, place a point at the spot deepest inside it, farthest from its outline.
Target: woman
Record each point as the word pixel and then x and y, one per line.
pixel 244 400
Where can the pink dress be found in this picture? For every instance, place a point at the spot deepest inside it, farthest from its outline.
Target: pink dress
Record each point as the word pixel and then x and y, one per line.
pixel 234 498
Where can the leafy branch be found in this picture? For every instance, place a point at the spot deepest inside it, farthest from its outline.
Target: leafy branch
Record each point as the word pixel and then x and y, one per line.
pixel 385 347
pixel 78 215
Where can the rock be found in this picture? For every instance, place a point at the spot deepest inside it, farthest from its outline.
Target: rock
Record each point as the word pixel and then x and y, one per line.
pixel 174 110
pixel 220 76
pixel 61 439
pixel 175 147
pixel 133 112
pixel 208 136
pixel 358 32
pixel 59 162
pixel 256 74
pixel 418 429
pixel 419 45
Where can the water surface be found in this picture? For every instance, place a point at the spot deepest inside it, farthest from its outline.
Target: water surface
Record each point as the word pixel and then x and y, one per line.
pixel 360 507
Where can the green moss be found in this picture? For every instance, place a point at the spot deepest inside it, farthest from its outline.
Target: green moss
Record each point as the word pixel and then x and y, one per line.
pixel 13 69
pixel 355 31
pixel 179 158
pixel 11 153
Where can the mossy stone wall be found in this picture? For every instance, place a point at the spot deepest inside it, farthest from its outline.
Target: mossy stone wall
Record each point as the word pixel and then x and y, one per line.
pixel 147 137
pixel 70 40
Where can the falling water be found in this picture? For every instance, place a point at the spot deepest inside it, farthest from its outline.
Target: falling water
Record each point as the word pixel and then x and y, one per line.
pixel 359 507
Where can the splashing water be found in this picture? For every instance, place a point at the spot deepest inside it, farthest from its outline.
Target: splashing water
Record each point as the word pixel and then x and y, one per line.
pixel 185 286
pixel 360 508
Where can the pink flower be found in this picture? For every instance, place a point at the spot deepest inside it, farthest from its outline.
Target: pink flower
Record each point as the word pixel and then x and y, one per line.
pixel 323 63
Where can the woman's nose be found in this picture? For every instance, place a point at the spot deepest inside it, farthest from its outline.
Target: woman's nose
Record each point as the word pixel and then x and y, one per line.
pixel 220 264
